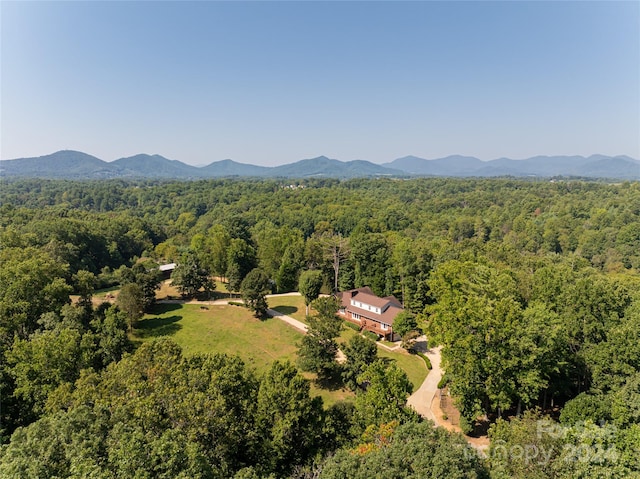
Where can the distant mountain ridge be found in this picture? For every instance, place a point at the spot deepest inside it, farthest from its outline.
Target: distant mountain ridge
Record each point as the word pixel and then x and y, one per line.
pixel 594 166
pixel 142 165
pixel 69 164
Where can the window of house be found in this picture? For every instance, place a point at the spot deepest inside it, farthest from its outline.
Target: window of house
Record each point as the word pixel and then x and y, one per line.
pixel 355 316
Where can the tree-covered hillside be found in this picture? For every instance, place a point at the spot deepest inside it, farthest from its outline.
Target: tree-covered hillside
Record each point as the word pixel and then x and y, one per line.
pixel 531 287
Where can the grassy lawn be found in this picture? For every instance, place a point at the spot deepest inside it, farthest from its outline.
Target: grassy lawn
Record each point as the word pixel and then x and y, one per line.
pixel 290 305
pixel 346 334
pixel 168 291
pixel 414 366
pixel 234 330
pixel 222 329
pixel 101 293
pixel 220 286
pixel 329 392
pixel 231 330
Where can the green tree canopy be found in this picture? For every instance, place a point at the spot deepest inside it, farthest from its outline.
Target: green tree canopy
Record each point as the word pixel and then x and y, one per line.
pixel 412 451
pixel 241 258
pixel 360 353
pixel 309 286
pixel 318 347
pixel 404 323
pixel 290 420
pixel 190 277
pixel 131 303
pixel 45 361
pixel 384 395
pixel 254 289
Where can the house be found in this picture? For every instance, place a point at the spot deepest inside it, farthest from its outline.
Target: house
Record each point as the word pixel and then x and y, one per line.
pixel 372 313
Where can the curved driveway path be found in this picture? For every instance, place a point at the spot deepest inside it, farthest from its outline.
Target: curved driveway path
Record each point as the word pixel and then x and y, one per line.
pixel 424 400
pixel 299 325
pixel 421 399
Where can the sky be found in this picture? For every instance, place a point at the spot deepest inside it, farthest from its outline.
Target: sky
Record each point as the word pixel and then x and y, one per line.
pixel 270 83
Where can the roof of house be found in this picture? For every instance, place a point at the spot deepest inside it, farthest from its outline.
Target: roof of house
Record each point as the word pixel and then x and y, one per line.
pixel 364 289
pixel 167 267
pixel 389 306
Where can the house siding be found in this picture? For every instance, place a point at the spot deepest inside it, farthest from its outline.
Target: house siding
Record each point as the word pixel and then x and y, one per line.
pixel 370 312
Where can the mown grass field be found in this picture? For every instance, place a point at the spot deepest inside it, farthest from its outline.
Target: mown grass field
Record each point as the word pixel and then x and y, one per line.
pixel 231 330
pixel 234 330
pixel 222 329
pixel 290 305
pixel 414 366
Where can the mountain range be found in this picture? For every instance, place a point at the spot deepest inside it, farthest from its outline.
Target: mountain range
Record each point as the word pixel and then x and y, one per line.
pixel 69 164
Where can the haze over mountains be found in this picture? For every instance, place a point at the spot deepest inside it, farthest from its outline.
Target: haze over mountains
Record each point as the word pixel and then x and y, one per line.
pixel 68 164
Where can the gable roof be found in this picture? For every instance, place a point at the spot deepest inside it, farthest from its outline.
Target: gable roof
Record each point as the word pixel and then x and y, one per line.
pixel 389 305
pixel 351 292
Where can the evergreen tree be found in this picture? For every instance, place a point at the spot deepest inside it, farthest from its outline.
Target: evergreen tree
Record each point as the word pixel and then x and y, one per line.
pixel 318 347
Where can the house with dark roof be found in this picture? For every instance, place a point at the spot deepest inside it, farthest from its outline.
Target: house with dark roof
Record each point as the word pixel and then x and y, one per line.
pixel 372 313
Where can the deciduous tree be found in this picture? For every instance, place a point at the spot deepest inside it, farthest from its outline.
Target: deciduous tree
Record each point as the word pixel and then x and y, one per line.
pixel 288 418
pixel 190 277
pixel 131 303
pixel 412 450
pixel 335 248
pixel 384 396
pixel 241 258
pixel 254 289
pixel 309 286
pixel 404 322
pixel 360 353
pixel 45 361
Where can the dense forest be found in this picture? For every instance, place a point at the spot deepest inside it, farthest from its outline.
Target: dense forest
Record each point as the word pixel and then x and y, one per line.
pixel 532 288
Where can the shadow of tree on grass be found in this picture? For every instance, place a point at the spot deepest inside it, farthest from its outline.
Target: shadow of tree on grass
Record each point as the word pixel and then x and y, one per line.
pixel 216 295
pixel 333 382
pixel 156 327
pixel 286 309
pixel 162 308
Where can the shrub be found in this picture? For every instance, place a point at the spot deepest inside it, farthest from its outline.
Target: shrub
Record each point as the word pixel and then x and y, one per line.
pixel 371 335
pixel 443 382
pixel 466 425
pixel 353 326
pixel 427 361
pixel 235 303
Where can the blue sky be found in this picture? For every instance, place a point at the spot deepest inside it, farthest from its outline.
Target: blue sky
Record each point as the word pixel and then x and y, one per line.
pixel 274 82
